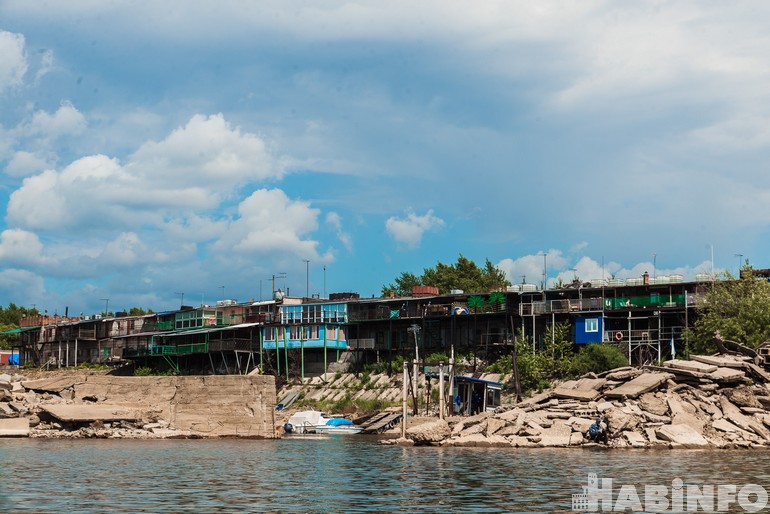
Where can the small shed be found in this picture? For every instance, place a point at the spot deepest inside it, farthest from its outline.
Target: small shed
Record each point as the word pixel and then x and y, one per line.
pixel 472 395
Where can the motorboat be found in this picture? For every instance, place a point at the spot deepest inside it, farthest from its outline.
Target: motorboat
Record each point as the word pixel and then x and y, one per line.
pixel 317 422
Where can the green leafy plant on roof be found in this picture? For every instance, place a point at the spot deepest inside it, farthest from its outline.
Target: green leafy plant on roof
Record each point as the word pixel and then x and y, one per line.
pixel 476 302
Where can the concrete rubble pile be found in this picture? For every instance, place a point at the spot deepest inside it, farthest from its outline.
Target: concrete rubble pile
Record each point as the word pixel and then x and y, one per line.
pixel 100 406
pixel 720 401
pixel 26 412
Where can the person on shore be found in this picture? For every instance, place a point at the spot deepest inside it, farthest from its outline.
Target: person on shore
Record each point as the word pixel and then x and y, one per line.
pixel 597 432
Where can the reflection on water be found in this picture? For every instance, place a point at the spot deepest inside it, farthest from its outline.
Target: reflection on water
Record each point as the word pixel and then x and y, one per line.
pixel 335 474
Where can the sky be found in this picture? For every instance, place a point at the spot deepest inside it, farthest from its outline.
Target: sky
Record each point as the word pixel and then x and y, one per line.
pixel 160 153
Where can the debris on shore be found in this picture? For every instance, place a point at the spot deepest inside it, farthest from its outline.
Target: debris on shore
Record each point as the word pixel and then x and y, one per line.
pixel 708 401
pixel 92 405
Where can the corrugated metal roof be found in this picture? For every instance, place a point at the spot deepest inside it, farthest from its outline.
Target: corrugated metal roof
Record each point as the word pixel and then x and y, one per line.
pixel 19 330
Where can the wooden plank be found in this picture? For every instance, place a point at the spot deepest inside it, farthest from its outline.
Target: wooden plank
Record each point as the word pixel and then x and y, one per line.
pixel 374 419
pixel 383 423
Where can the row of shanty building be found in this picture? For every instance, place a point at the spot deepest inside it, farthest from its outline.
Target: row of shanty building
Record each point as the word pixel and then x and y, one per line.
pixel 293 336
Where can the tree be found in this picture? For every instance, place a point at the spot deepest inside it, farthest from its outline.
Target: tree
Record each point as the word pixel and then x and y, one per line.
pixel 403 285
pixel 464 275
pixel 138 311
pixel 10 317
pixel 738 308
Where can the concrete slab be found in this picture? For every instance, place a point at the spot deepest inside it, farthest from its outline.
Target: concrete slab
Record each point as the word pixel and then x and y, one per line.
pixel 624 375
pixel 698 367
pixel 681 435
pixel 683 413
pixel 724 426
pixel 644 383
pixel 724 374
pixel 538 398
pixel 635 439
pixel 576 394
pixel 83 413
pixel 651 436
pixel 734 415
pixel 52 385
pixel 587 384
pixel 558 435
pixel 758 372
pixel 723 361
pixel 576 439
pixel 14 427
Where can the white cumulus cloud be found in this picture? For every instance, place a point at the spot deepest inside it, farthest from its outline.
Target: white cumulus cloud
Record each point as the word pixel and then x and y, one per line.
pixel 193 169
pixel 208 152
pixel 409 230
pixel 269 222
pixel 13 64
pixel 20 248
pixel 66 121
pixel 24 163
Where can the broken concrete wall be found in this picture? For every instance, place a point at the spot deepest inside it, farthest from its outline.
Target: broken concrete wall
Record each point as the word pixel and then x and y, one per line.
pixel 212 405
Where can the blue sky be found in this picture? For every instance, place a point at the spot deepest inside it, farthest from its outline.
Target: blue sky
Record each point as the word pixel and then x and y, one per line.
pixel 150 149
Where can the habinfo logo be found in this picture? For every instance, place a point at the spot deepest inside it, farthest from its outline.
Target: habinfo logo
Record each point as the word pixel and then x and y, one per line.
pixel 601 495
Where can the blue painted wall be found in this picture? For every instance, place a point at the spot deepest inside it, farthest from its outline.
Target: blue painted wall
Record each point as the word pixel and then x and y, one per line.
pixel 589 329
pixel 307 343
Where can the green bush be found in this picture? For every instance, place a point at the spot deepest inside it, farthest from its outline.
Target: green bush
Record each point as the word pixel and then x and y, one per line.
pixel 558 359
pixel 598 358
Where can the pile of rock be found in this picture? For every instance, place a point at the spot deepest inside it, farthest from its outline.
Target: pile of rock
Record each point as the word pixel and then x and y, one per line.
pixel 720 401
pixel 54 413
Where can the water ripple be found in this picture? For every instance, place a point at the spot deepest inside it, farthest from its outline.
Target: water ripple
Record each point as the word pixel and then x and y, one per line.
pixel 336 474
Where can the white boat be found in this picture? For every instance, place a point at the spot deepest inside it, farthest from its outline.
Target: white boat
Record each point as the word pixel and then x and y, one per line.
pixel 316 422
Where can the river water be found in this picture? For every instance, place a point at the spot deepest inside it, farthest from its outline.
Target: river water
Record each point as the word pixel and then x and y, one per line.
pixel 335 474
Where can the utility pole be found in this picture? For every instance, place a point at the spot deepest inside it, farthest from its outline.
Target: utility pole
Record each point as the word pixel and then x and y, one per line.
pixel 307 277
pixel 181 302
pixel 106 306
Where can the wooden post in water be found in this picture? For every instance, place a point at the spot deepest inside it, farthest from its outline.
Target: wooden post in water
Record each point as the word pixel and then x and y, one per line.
pixel 451 387
pixel 415 377
pixel 441 392
pixel 405 400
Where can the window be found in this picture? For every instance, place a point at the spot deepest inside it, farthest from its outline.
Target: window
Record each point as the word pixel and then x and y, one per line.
pixel 592 324
pixel 269 334
pixel 331 332
pixel 295 331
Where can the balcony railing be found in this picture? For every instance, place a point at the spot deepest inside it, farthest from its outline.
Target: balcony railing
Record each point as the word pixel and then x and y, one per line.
pixel 597 304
